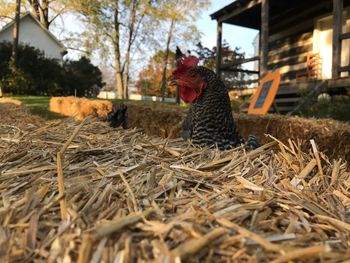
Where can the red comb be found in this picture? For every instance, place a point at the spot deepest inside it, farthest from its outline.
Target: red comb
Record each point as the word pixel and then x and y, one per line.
pixel 189 62
pixel 186 63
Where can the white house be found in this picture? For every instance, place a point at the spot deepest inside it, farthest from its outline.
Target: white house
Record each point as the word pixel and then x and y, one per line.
pixel 32 33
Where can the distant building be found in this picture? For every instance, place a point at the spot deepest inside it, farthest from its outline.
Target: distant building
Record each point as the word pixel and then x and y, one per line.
pixel 32 33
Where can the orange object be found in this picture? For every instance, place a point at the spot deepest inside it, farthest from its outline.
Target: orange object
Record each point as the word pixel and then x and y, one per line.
pixel 265 94
pixel 313 67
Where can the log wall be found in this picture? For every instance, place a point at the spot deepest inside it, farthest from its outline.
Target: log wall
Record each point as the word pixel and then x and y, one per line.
pixel 287 53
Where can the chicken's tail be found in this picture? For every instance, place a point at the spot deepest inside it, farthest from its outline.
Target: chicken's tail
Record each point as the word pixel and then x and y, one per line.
pixel 118 116
pixel 252 143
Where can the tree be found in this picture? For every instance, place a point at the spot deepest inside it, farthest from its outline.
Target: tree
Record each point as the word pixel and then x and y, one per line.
pixel 45 11
pixel 150 78
pixel 131 28
pixel 207 57
pixel 166 57
pixel 7 10
pixel 178 16
pixel 16 33
pixel 37 75
pixel 86 77
pixel 115 23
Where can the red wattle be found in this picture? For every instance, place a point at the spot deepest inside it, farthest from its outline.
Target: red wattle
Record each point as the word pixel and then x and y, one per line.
pixel 188 95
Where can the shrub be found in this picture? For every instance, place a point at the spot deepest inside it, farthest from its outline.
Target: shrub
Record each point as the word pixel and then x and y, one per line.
pixel 37 75
pixel 82 77
pixel 335 107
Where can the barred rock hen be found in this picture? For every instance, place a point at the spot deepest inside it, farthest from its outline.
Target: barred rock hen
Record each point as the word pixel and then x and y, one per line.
pixel 209 121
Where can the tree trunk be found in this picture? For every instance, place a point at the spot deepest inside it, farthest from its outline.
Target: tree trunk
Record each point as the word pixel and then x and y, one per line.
pixel 177 95
pixel 117 65
pixel 41 11
pixel 166 56
pixel 35 8
pixel 16 33
pixel 130 40
pixel 44 14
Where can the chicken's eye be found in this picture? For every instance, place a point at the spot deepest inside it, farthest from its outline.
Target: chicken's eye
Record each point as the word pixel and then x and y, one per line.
pixel 193 75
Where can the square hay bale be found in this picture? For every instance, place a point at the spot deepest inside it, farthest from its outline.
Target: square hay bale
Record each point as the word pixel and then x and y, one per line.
pixel 79 108
pixel 10 100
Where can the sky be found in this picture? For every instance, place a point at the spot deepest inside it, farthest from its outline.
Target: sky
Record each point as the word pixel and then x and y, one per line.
pixel 236 36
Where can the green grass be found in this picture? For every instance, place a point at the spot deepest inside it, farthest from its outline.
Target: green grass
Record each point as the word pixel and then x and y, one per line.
pixel 39 105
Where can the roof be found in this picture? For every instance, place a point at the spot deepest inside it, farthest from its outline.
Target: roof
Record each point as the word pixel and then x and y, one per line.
pixel 244 13
pixel 28 14
pixel 228 8
pixel 247 13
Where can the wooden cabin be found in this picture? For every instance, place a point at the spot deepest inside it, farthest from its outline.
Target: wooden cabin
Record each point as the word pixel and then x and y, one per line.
pixel 308 41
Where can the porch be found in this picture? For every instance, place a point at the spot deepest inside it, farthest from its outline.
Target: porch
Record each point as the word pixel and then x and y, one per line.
pixel 289 31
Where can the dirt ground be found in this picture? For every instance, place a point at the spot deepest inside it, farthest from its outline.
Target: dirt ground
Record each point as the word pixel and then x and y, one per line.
pixel 332 137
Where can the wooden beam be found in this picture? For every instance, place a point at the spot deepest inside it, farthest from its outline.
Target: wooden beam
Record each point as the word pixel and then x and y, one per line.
pixel 289 68
pixel 306 25
pixel 264 37
pixel 284 20
pixel 336 83
pixel 240 62
pixel 244 82
pixel 276 50
pixel 218 48
pixel 240 70
pixel 239 10
pixel 345 36
pixel 344 69
pixel 337 30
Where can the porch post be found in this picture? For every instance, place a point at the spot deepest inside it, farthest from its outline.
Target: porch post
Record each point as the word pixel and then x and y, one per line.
pixel 264 36
pixel 337 30
pixel 218 48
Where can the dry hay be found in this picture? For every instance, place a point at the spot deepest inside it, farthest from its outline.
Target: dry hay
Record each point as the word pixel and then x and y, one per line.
pixel 18 116
pixel 79 108
pixel 332 137
pixel 14 122
pixel 9 100
pixel 86 192
pixel 160 121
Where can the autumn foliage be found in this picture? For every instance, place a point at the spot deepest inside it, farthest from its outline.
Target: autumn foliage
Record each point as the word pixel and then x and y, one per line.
pixel 150 78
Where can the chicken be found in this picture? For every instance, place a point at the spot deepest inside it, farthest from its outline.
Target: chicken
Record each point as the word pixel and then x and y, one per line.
pixel 118 116
pixel 209 120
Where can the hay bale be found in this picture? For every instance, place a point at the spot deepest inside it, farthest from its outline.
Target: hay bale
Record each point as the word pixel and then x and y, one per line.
pixel 79 108
pixel 102 107
pixel 15 120
pixel 134 198
pixel 54 104
pixel 10 100
pixel 332 137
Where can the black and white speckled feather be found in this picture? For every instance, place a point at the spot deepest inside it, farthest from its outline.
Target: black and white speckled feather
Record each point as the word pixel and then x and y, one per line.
pixel 209 120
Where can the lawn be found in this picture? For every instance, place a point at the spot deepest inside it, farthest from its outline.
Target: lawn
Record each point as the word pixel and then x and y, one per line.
pixel 38 105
